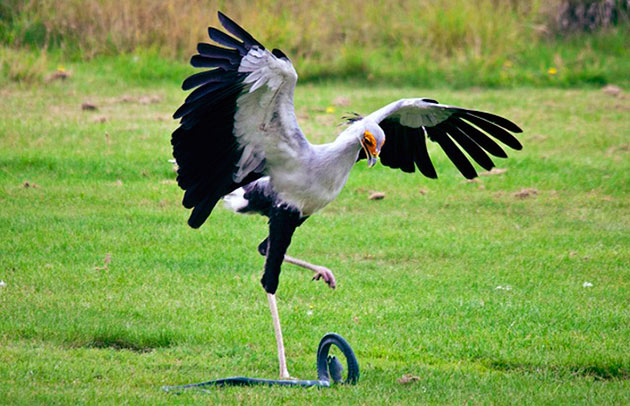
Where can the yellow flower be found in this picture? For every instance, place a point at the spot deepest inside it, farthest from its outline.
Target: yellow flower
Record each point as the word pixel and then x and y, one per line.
pixel 330 109
pixel 552 71
pixel 507 64
pixel 61 68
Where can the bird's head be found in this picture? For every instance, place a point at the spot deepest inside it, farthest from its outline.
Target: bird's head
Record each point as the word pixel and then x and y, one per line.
pixel 372 140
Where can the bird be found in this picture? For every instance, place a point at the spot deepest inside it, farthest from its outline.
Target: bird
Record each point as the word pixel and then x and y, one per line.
pixel 238 140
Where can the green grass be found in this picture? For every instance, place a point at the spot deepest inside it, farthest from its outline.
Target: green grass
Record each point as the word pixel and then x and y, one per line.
pixel 418 271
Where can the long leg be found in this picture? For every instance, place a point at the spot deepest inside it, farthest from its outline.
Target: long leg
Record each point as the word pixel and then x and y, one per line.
pixel 282 223
pixel 284 372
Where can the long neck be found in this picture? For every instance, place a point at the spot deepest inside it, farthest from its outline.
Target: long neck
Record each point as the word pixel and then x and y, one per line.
pixel 336 159
pixel 346 146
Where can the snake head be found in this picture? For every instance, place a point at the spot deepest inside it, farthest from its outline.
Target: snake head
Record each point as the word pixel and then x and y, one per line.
pixel 335 369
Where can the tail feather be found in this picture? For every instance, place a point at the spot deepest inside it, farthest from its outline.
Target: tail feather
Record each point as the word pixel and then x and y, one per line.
pixel 236 201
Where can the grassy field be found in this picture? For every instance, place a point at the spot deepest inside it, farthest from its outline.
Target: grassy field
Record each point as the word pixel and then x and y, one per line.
pixel 482 290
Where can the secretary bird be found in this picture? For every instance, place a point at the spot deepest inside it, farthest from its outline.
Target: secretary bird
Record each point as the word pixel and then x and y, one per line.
pixel 239 140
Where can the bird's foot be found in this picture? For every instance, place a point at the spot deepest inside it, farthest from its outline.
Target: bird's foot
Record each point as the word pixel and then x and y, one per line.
pixel 321 272
pixel 284 375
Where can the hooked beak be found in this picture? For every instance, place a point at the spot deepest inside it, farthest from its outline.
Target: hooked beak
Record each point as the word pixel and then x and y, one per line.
pixel 372 161
pixel 371 157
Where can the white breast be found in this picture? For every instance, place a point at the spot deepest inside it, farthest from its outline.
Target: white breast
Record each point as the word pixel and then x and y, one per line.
pixel 315 183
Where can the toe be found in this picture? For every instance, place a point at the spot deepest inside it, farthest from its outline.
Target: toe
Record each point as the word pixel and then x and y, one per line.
pixel 326 275
pixel 330 278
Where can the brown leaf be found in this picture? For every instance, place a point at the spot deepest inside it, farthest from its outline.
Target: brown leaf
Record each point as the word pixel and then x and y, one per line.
pixel 99 119
pixel 407 379
pixel 125 99
pixel 612 90
pixel 377 196
pixel 342 101
pixel 493 171
pixel 525 193
pixel 149 99
pixel 106 262
pixel 537 137
pixel 58 75
pixel 87 106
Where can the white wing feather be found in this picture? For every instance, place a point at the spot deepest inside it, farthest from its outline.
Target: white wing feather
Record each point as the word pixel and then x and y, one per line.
pixel 265 124
pixel 414 113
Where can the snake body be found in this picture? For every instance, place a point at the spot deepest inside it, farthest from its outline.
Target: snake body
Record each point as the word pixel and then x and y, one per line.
pixel 328 368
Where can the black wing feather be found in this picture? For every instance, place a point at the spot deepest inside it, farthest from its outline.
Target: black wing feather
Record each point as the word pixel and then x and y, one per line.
pixel 421 156
pixel 238 31
pixel 196 106
pixel 396 155
pixel 200 61
pixel 480 138
pixel 389 150
pixel 455 155
pixel 203 90
pixel 498 120
pixel 494 130
pixel 204 145
pixel 215 75
pixel 222 38
pixel 469 146
pixel 213 51
pixel 406 158
pixel 405 145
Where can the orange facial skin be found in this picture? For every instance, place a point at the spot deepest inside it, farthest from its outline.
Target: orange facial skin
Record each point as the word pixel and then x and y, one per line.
pixel 369 144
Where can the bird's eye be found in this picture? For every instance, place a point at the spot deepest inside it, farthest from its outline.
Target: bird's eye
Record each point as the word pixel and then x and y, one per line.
pixel 369 139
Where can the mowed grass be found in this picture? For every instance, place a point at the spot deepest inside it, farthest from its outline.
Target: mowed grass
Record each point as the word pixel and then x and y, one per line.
pixel 477 292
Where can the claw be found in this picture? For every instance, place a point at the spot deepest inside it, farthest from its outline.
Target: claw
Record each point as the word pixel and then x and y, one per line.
pixel 320 271
pixel 328 277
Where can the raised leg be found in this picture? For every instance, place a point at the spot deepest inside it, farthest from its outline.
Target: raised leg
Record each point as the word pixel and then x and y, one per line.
pixel 284 373
pixel 320 271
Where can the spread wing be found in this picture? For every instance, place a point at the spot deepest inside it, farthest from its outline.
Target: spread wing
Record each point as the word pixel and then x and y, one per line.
pixel 237 123
pixel 407 124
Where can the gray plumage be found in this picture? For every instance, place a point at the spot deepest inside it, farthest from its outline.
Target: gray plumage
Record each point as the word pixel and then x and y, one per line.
pixel 258 129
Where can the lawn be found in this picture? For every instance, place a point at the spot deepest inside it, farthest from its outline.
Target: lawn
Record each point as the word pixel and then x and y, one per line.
pixel 512 289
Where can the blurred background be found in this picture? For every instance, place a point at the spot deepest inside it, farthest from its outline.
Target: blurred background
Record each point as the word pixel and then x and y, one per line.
pixel 458 43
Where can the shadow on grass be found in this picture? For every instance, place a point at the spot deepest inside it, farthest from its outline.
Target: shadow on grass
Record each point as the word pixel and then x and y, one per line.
pixel 598 371
pixel 124 340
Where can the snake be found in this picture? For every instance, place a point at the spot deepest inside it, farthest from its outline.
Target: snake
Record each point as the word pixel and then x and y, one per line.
pixel 329 368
